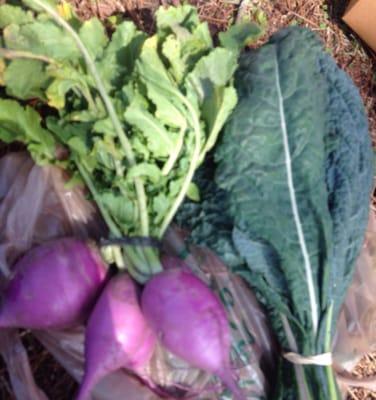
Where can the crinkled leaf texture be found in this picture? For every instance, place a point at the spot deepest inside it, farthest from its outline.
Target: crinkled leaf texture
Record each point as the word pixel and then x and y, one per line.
pixel 292 184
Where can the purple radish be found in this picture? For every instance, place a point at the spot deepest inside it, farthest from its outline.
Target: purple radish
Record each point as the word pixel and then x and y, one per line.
pixel 54 286
pixel 191 322
pixel 117 335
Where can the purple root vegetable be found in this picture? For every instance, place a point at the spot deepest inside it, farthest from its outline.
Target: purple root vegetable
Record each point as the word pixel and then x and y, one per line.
pixel 117 335
pixel 191 322
pixel 54 286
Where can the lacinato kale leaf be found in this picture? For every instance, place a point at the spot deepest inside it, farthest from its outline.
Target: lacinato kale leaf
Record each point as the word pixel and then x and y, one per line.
pixel 294 166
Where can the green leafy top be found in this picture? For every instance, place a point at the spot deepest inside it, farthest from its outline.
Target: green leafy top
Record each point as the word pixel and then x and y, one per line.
pixel 137 113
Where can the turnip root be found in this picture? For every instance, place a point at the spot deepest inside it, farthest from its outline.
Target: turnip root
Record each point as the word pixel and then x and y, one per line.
pixel 54 286
pixel 191 322
pixel 117 335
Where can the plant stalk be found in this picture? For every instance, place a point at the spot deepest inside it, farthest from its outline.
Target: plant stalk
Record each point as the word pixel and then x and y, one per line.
pixel 141 197
pixel 304 393
pixel 192 168
pixel 115 231
pixel 17 54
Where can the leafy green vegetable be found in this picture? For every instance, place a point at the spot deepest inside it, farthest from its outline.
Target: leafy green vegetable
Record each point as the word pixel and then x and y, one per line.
pixel 10 14
pixel 25 79
pixel 23 124
pixel 137 114
pixel 289 214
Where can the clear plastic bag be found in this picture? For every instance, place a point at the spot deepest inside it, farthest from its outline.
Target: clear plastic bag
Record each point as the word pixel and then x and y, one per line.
pixel 356 327
pixel 35 207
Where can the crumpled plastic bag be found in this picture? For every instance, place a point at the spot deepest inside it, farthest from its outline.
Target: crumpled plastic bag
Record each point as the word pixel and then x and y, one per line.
pixel 35 206
pixel 356 327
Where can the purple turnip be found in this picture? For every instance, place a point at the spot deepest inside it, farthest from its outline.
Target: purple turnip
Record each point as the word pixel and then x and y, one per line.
pixel 191 322
pixel 54 286
pixel 117 335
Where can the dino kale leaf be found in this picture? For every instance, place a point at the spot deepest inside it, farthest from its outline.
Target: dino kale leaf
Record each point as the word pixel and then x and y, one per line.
pixel 292 182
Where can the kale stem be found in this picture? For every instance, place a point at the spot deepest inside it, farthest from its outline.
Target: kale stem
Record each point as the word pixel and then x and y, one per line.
pixel 106 216
pixel 304 393
pixel 328 348
pixel 110 109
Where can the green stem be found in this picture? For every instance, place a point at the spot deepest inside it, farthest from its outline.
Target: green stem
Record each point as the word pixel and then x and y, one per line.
pixel 152 257
pixel 145 261
pixel 89 98
pixel 170 163
pixel 304 393
pixel 328 348
pixel 118 257
pixel 132 268
pixel 138 270
pixel 106 216
pixel 14 54
pixel 110 109
pixel 142 207
pixel 192 168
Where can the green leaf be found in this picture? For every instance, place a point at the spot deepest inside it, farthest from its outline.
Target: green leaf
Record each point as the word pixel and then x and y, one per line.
pixel 270 135
pixel 120 55
pixel 10 14
pixel 193 192
pixel 121 207
pixel 171 49
pixel 149 171
pixel 160 88
pixel 161 205
pixel 94 37
pixel 216 110
pixel 240 35
pixel 206 87
pixel 24 125
pixel 79 145
pixel 41 38
pixel 66 79
pixel 262 259
pixel 104 126
pixel 218 67
pixel 159 139
pixel 300 186
pixel 150 65
pixel 172 18
pixel 75 135
pixel 26 79
pixel 56 92
pixel 198 45
pixel 184 54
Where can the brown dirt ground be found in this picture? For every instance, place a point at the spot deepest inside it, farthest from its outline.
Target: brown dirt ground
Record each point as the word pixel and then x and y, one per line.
pixel 322 17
